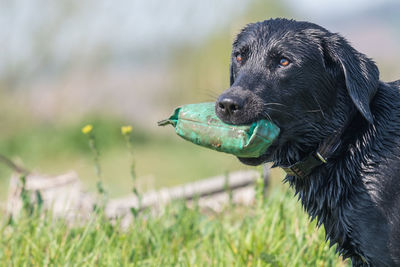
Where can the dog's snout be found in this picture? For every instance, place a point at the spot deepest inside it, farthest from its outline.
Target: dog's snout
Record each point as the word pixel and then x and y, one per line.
pixel 229 105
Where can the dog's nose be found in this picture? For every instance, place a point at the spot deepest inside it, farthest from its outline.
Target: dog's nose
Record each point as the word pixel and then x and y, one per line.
pixel 229 105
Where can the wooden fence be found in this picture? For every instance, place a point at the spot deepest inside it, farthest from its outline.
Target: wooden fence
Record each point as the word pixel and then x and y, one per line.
pixel 66 197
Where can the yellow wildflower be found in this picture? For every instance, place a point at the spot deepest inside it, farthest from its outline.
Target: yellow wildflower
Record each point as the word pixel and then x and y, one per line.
pixel 125 130
pixel 234 248
pixel 87 129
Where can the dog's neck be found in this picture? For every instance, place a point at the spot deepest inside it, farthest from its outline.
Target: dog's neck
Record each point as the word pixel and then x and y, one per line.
pixel 309 135
pixel 324 192
pixel 304 167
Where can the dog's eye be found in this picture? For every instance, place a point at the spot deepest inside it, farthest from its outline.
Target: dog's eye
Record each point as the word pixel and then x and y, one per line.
pixel 284 62
pixel 239 58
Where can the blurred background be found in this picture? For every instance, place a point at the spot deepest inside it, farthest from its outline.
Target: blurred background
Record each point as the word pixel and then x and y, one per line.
pixel 67 63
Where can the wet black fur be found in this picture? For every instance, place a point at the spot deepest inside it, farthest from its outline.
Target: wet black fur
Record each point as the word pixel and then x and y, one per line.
pixel 356 195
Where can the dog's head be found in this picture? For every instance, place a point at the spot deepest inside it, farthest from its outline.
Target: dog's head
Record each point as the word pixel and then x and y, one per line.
pixel 298 75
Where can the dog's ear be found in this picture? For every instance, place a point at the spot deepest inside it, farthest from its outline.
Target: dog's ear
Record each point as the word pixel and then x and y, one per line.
pixel 361 75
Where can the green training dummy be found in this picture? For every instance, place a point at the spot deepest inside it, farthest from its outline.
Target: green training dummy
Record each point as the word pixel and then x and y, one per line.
pixel 199 124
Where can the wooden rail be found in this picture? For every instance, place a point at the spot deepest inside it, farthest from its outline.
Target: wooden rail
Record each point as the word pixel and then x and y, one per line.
pixel 65 196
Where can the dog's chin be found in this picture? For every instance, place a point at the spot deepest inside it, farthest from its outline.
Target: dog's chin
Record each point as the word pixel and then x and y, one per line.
pixel 266 157
pixel 252 161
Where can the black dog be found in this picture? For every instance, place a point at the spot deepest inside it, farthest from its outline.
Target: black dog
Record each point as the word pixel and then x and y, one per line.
pixel 340 130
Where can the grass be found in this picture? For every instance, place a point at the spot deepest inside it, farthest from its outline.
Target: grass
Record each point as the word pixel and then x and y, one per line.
pixel 273 232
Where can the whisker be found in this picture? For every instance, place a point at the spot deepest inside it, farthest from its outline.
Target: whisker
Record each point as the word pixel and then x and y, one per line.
pixel 278 104
pixel 210 94
pixel 295 117
pixel 315 110
pixel 320 108
pixel 268 116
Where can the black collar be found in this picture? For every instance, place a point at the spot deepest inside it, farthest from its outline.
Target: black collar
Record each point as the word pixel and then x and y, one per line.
pixel 304 167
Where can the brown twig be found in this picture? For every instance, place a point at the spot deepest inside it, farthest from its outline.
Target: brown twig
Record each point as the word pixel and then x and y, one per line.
pixel 12 165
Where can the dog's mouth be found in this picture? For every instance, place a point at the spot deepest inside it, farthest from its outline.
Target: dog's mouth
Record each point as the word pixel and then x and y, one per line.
pixel 267 155
pixel 247 116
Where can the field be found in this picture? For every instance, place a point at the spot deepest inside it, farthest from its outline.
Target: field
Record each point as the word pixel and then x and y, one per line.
pixel 273 232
